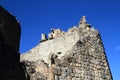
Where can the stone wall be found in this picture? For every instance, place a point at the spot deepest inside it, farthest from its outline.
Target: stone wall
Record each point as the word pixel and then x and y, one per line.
pixel 75 55
pixel 85 61
pixel 59 45
pixel 10 66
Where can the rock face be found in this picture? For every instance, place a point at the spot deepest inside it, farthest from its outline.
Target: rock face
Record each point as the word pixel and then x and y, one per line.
pixel 10 66
pixel 74 55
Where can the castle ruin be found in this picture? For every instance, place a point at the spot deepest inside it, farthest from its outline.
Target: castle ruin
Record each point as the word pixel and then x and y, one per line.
pixel 77 54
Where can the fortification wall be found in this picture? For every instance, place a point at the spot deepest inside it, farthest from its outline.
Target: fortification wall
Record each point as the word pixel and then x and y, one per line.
pixel 59 46
pixel 75 55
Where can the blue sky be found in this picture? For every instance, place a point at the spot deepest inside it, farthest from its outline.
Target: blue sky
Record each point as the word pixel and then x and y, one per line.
pixel 39 16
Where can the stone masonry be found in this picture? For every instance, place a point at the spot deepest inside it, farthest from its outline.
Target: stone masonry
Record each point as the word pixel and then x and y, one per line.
pixel 77 54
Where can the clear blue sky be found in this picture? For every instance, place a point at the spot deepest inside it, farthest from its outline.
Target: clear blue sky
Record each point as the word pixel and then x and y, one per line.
pixel 39 16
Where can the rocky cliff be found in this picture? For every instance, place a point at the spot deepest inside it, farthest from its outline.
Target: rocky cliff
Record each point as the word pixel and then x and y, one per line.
pixel 77 54
pixel 10 66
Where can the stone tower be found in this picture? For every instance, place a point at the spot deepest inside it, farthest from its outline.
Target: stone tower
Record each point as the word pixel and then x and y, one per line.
pixel 77 54
pixel 10 66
